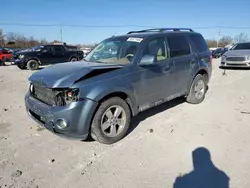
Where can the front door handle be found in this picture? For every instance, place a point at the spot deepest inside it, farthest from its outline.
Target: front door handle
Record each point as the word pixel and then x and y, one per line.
pixel 193 61
pixel 166 69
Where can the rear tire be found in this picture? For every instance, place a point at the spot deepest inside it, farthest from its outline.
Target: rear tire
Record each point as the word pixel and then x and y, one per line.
pixel 111 121
pixel 32 65
pixel 197 90
pixel 73 59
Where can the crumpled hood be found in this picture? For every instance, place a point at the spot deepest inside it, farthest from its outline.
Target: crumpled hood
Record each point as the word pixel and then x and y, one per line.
pixel 237 53
pixel 63 75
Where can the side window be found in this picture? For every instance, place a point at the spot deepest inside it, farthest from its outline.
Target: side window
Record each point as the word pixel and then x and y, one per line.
pixel 178 46
pixel 242 46
pixel 157 48
pixel 48 48
pixel 58 48
pixel 199 43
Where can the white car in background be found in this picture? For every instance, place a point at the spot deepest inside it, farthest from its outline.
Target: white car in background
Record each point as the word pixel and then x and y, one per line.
pixel 86 51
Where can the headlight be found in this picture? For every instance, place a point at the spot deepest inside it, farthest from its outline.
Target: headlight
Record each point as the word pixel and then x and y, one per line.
pixel 31 88
pixel 21 56
pixel 66 96
pixel 223 57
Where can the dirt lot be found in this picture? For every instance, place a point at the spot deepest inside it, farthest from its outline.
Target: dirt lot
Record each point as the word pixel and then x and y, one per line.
pixel 154 154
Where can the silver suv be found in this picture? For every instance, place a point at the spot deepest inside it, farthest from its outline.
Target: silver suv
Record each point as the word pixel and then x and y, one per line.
pixel 238 56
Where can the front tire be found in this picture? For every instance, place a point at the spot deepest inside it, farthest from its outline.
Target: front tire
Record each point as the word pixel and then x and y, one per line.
pixel 22 67
pixel 197 90
pixel 111 121
pixel 32 65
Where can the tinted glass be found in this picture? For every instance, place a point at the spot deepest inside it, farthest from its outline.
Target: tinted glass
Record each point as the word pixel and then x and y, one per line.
pixel 48 48
pixel 178 46
pixel 58 49
pixel 242 46
pixel 200 43
pixel 157 48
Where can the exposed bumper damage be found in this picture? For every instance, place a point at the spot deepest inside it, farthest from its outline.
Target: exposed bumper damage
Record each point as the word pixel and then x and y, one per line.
pixel 54 104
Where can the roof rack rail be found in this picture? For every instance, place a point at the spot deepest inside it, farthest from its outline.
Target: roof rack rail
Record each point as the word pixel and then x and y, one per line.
pixel 161 30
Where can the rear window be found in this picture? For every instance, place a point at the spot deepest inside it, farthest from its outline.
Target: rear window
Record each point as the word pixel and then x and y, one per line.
pixel 199 43
pixel 178 45
pixel 58 48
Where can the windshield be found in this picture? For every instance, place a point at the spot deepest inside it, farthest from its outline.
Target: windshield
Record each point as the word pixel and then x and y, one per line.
pixel 115 50
pixel 37 48
pixel 241 46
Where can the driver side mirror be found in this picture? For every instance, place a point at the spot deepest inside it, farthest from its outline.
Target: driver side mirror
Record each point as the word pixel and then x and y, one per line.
pixel 147 60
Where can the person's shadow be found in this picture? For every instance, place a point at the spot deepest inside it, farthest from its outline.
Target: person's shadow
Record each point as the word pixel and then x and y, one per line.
pixel 204 174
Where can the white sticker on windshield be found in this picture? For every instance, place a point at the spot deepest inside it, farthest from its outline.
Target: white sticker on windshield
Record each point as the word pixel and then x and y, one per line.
pixel 132 39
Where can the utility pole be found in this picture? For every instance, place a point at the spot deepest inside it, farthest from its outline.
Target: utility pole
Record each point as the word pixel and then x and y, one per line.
pixel 218 38
pixel 61 33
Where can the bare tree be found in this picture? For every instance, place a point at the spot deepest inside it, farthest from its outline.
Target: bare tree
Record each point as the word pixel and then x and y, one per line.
pixel 242 37
pixel 1 38
pixel 225 40
pixel 43 41
pixel 211 43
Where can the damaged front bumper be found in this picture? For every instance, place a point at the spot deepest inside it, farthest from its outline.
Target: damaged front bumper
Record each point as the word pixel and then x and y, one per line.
pixel 77 116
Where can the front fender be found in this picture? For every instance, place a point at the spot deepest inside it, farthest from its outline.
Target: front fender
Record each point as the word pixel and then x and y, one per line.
pixel 97 92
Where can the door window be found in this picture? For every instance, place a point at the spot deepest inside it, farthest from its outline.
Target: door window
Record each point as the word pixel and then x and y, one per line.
pixel 157 48
pixel 178 46
pixel 58 49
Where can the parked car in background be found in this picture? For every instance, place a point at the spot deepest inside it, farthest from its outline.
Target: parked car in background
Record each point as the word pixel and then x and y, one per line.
pixel 218 52
pixel 5 55
pixel 86 51
pixel 238 56
pixel 45 55
pixel 122 76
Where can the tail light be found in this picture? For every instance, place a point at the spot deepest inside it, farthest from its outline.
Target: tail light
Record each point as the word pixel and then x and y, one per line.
pixel 211 58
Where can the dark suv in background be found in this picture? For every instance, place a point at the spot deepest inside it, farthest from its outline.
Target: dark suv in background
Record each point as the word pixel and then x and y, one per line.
pixel 119 78
pixel 45 55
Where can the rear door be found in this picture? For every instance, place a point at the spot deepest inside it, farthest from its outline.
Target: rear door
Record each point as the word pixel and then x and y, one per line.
pixel 200 52
pixel 180 53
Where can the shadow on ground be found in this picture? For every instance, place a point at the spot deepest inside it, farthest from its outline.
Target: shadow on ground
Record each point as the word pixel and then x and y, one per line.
pixel 148 113
pixel 153 111
pixel 234 68
pixel 204 175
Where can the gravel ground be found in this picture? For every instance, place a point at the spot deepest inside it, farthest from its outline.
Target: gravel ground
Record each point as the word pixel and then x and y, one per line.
pixel 156 152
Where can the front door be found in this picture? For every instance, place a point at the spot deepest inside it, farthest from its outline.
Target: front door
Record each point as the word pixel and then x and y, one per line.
pixel 155 81
pixel 59 54
pixel 46 55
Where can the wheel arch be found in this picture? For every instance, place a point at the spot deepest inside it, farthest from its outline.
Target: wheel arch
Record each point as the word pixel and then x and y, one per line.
pixel 123 95
pixel 71 57
pixel 33 58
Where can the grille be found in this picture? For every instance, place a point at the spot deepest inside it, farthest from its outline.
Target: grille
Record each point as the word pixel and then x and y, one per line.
pixel 236 58
pixel 44 94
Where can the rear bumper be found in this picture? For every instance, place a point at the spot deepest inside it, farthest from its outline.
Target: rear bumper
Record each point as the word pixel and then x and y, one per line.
pixel 78 116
